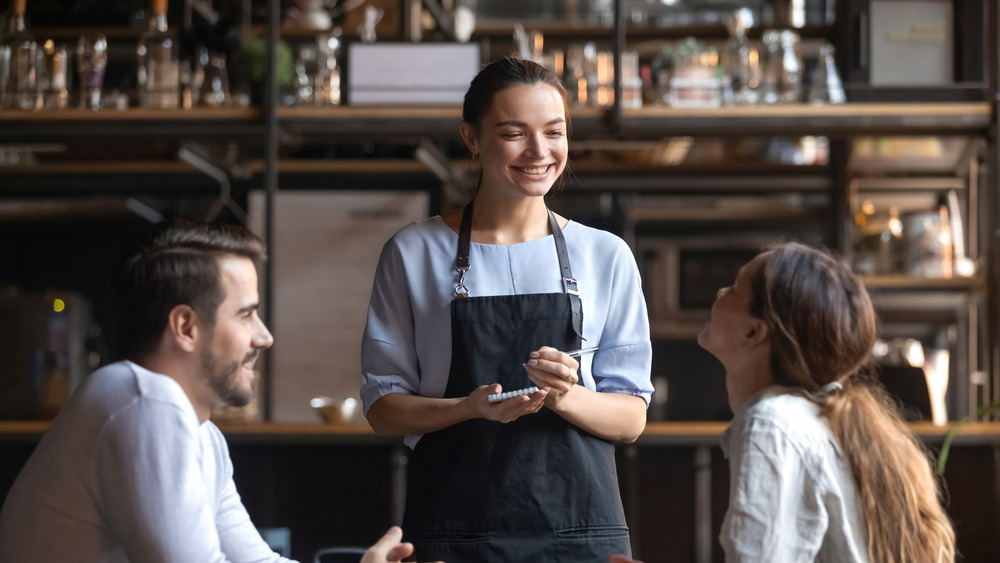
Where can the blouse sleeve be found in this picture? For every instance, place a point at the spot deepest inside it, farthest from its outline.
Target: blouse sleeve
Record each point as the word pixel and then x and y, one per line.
pixel 388 356
pixel 624 361
pixel 774 513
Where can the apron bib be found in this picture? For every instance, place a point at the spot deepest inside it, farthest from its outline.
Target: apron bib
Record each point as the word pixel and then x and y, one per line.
pixel 536 489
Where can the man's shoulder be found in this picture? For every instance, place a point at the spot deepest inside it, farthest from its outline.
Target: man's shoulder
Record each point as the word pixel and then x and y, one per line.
pixel 123 381
pixel 124 393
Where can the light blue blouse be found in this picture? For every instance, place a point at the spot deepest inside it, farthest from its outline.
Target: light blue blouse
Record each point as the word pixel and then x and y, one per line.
pixel 407 342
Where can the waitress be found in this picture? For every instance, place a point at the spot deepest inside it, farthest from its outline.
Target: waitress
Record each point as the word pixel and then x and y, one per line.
pixel 488 299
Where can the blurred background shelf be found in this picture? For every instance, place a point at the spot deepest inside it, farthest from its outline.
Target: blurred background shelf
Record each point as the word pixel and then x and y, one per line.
pixel 66 124
pixel 806 119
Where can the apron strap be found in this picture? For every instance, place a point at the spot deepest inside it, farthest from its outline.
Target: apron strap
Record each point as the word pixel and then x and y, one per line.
pixel 463 265
pixel 568 281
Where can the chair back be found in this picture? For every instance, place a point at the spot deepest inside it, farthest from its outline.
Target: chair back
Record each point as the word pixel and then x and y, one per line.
pixel 339 555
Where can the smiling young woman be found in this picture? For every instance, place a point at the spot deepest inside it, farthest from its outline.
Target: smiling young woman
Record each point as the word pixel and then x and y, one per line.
pixel 487 298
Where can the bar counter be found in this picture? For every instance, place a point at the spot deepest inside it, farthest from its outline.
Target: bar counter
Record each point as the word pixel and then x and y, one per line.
pixel 656 433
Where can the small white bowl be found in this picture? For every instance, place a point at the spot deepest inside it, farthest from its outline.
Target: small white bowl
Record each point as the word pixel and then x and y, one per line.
pixel 335 411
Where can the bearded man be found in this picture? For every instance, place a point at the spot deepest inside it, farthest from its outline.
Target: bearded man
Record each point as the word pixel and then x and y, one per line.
pixel 132 469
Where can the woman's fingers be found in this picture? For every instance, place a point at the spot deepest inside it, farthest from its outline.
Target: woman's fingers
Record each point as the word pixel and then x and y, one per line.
pixel 516 407
pixel 546 373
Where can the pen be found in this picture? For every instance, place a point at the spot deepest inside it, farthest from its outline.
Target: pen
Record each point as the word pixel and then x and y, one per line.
pixel 581 352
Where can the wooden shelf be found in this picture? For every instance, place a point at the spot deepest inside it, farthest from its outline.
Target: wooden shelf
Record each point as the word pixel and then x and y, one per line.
pixel 132 114
pixel 661 121
pixel 64 124
pixel 656 433
pixel 392 122
pixel 807 119
pixel 591 32
pixel 677 329
pixel 71 33
pixel 80 168
pixel 720 214
pixel 910 282
pixel 618 174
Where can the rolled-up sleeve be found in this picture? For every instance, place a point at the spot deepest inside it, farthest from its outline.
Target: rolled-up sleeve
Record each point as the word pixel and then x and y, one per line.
pixel 624 361
pixel 388 357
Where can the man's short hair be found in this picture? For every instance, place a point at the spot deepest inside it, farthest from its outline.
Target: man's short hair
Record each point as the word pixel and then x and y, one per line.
pixel 177 264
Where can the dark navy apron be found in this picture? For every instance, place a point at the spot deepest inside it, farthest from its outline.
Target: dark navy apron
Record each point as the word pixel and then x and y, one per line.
pixel 536 489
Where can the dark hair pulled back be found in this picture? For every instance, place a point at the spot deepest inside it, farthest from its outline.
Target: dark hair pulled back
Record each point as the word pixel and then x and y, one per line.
pixel 500 75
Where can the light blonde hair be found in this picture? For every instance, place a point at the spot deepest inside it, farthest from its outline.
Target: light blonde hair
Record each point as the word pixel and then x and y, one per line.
pixel 821 329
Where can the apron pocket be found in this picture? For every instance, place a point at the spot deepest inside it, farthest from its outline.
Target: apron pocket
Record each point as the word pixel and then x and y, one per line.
pixel 591 532
pixel 454 547
pixel 446 537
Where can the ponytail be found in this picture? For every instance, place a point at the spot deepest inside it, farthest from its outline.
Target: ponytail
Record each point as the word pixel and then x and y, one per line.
pixel 897 489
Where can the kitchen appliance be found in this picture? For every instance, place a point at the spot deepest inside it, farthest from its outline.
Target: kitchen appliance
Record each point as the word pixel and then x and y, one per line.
pixel 681 275
pixel 43 351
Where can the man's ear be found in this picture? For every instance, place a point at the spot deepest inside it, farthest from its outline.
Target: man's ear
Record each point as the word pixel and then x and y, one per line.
pixel 468 133
pixel 755 334
pixel 184 327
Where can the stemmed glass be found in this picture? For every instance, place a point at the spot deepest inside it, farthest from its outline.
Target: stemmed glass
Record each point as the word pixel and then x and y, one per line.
pixel 91 59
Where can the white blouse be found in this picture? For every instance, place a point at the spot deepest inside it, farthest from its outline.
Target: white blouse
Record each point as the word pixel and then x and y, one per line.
pixel 791 493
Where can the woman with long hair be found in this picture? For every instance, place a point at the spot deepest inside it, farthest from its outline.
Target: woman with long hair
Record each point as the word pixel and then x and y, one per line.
pixel 821 466
pixel 489 299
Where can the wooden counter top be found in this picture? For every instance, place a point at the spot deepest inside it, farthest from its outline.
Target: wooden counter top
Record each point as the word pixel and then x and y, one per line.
pixel 656 433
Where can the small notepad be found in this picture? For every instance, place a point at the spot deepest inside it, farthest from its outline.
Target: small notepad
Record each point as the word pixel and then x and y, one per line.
pixel 497 397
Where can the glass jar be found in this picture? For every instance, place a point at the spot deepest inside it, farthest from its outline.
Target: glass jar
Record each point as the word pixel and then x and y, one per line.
pixel 782 83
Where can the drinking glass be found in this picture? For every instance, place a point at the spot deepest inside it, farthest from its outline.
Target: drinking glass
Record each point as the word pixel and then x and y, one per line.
pixel 91 60
pixel 215 84
pixel 783 71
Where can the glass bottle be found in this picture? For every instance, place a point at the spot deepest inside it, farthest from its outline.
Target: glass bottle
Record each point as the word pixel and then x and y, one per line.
pixel 159 66
pixel 54 78
pixel 826 87
pixel 305 69
pixel 327 80
pixel 741 68
pixel 20 88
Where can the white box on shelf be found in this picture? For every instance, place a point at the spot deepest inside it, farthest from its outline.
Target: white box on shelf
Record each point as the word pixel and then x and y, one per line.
pixel 912 42
pixel 410 73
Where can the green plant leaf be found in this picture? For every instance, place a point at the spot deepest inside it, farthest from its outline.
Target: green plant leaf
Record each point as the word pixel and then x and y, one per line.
pixel 955 428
